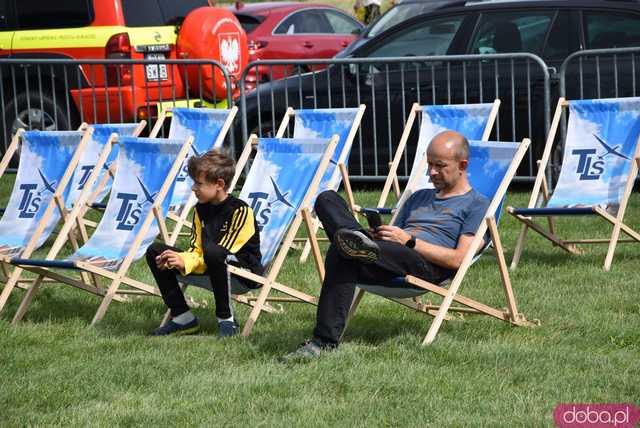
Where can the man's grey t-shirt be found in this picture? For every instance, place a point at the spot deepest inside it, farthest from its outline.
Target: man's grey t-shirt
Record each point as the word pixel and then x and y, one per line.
pixel 442 221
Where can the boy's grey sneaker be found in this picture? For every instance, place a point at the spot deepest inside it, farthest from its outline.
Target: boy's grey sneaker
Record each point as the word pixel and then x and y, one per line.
pixel 227 328
pixel 356 245
pixel 308 351
pixel 172 328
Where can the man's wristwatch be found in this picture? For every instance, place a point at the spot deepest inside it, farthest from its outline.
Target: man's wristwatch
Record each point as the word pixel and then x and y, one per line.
pixel 411 243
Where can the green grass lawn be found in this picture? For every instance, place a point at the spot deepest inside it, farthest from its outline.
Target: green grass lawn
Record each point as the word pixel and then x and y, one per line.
pixel 55 370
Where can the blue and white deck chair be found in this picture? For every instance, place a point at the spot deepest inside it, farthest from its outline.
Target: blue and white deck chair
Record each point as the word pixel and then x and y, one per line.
pixel 474 121
pixel 492 166
pixel 597 175
pixel 135 213
pixel 280 188
pixel 324 123
pixel 101 133
pixel 48 161
pixel 208 127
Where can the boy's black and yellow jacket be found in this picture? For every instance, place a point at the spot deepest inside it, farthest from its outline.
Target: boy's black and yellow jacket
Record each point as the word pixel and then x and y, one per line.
pixel 232 226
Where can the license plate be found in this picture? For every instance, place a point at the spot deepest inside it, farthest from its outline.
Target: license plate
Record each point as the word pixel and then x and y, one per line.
pixel 156 71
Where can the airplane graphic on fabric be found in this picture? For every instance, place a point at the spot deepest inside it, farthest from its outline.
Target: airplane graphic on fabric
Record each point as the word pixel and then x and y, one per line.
pixel 279 196
pixel 47 185
pixel 148 197
pixel 610 150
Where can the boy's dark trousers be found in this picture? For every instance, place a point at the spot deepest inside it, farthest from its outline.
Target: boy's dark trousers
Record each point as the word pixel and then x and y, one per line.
pixel 214 257
pixel 342 274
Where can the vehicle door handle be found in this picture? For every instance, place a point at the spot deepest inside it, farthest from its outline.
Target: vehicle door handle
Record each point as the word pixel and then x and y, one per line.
pixel 307 44
pixel 344 44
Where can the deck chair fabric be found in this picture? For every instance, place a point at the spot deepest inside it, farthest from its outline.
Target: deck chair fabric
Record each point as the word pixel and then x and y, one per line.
pixel 135 212
pixel 48 162
pixel 45 159
pixel 597 174
pixel 280 186
pixel 324 123
pixel 208 128
pixel 95 145
pixel 492 166
pixel 474 121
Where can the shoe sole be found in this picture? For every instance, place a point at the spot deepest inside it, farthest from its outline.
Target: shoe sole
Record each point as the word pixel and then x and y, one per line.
pixel 352 247
pixel 187 331
pixel 182 332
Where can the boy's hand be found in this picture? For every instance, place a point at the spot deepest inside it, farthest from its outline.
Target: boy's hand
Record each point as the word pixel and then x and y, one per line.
pixel 169 259
pixel 392 233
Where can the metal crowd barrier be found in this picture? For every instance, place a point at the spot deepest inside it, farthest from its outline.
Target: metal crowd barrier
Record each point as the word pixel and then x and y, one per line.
pixel 388 87
pixel 594 74
pixel 61 94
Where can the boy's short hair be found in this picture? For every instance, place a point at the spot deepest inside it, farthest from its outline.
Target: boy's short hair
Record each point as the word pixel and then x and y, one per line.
pixel 214 164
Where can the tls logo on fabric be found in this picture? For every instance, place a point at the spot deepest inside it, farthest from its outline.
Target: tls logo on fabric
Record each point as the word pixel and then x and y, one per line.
pixel 184 171
pixel 129 215
pixel 591 164
pixel 31 200
pixel 263 214
pixel 230 51
pixel 86 172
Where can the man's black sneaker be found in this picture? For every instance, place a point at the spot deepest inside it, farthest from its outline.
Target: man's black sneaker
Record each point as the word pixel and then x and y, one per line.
pixel 172 328
pixel 309 350
pixel 356 245
pixel 227 328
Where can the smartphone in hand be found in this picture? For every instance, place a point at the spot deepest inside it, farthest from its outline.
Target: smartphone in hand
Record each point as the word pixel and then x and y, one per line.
pixel 373 217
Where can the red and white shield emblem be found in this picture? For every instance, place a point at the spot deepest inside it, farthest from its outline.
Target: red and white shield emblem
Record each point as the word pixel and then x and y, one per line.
pixel 229 44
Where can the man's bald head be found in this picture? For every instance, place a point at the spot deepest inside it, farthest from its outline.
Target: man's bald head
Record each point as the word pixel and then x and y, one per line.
pixel 452 142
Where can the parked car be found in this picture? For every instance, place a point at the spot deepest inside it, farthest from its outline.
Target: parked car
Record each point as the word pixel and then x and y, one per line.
pixel 551 29
pixel 59 97
pixel 399 12
pixel 293 30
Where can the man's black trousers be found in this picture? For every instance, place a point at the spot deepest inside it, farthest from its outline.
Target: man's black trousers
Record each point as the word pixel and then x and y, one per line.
pixel 342 274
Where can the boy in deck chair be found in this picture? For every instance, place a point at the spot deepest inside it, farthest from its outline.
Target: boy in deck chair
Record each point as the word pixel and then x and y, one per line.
pixel 224 231
pixel 432 233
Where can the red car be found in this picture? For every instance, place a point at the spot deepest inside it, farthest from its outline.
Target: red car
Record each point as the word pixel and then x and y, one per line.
pixel 288 30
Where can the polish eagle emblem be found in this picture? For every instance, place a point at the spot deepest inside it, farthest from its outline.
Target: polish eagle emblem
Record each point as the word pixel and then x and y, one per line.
pixel 230 52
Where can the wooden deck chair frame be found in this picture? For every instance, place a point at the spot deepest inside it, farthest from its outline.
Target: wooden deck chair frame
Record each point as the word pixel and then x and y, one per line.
pixel 342 169
pixel 440 312
pixel 180 216
pixel 392 178
pixel 269 282
pixel 541 188
pixel 119 277
pixel 72 219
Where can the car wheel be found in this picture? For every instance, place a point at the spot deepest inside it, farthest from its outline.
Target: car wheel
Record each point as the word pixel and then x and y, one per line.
pixel 31 112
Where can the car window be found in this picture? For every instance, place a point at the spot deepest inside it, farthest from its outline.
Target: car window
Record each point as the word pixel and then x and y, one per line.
pixel 304 22
pixel 432 37
pixel 4 15
pixel 398 13
pixel 560 37
pixel 611 30
pixel 522 31
pixel 44 14
pixel 249 22
pixel 340 23
pixel 150 13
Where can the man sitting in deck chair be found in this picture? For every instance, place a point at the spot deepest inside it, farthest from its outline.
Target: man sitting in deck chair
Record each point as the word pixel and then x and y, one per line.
pixel 223 228
pixel 435 230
